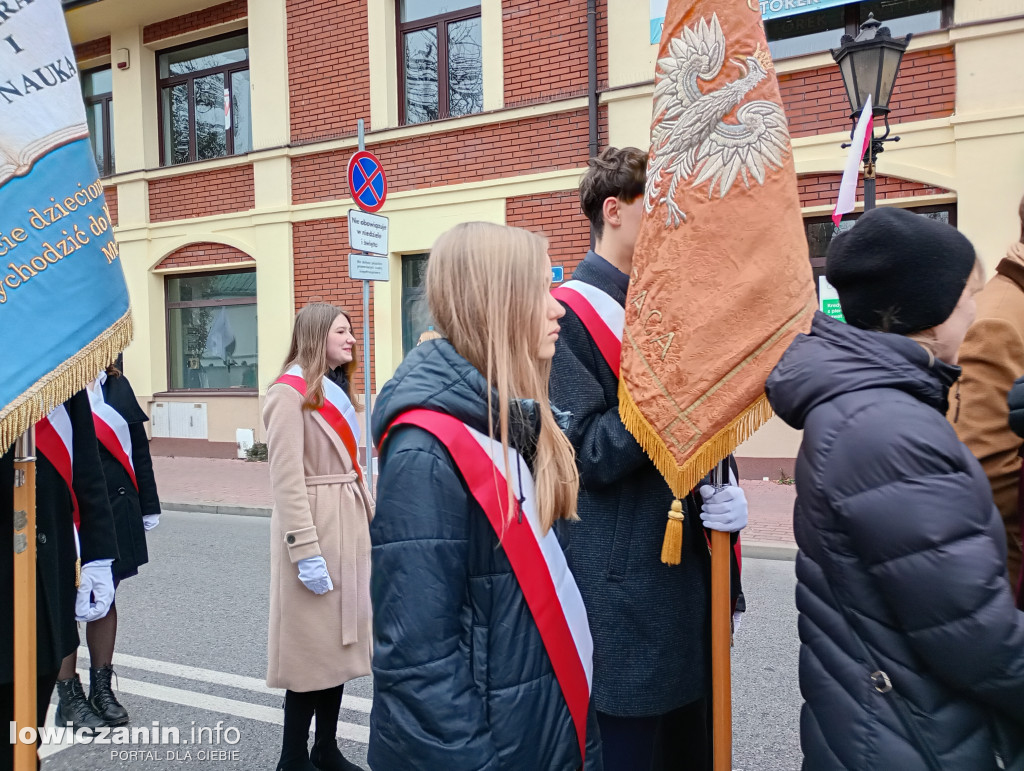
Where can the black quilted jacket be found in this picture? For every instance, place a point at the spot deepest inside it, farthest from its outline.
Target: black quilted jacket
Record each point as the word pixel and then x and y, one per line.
pixel 901 564
pixel 461 677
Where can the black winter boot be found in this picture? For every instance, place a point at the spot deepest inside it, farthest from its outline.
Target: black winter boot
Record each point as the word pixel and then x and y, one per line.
pixel 102 698
pixel 73 707
pixel 327 757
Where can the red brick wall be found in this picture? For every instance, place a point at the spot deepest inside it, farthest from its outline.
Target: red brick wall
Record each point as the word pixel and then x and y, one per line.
pixel 328 68
pixel 545 50
pixel 816 102
pixel 191 22
pixel 499 150
pixel 202 194
pixel 203 254
pixel 110 194
pixel 558 217
pixel 321 274
pixel 822 189
pixel 92 49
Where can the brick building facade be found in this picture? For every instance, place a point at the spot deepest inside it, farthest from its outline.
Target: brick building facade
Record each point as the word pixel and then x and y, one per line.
pixel 233 223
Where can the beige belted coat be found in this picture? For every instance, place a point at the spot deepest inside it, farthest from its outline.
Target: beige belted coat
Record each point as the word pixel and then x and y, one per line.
pixel 321 508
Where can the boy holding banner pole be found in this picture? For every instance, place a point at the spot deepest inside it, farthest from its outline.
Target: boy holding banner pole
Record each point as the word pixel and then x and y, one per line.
pixel 638 598
pixel 719 283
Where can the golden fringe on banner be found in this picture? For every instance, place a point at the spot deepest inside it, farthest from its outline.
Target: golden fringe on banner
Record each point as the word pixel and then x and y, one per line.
pixel 67 379
pixel 682 479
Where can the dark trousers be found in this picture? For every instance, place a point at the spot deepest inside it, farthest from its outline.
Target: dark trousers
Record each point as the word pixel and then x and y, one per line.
pixel 679 740
pixel 44 689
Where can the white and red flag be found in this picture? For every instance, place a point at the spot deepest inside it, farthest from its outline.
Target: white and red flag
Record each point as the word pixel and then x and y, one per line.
pixel 851 174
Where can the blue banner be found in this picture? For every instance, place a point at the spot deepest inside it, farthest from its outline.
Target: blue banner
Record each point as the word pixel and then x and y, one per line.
pixel 64 310
pixel 770 9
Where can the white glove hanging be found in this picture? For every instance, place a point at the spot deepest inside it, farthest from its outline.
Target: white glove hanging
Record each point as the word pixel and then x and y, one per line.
pixel 149 521
pixel 95 591
pixel 313 573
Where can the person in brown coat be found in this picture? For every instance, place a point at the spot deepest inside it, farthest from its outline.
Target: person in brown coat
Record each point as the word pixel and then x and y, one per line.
pixel 319 636
pixel 992 357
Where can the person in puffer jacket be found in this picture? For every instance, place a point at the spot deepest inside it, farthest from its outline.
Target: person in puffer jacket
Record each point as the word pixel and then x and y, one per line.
pixel 463 678
pixel 1015 402
pixel 912 653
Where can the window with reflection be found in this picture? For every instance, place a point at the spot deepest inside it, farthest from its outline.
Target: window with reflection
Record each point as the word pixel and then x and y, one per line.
pixel 211 331
pixel 440 59
pixel 97 93
pixel 796 34
pixel 820 232
pixel 204 100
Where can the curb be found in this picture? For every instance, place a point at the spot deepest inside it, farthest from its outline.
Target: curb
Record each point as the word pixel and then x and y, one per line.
pixel 769 550
pixel 758 550
pixel 217 508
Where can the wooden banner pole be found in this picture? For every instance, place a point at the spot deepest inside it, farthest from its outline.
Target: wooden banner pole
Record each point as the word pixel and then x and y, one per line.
pixel 721 643
pixel 25 596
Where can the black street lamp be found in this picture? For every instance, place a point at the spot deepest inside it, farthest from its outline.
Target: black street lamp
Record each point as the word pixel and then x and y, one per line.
pixel 869 64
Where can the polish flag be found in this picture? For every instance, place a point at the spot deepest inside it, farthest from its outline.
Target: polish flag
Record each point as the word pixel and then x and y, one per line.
pixel 858 146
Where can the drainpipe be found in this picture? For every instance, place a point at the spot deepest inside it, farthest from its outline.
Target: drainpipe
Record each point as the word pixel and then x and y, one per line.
pixel 592 94
pixel 592 73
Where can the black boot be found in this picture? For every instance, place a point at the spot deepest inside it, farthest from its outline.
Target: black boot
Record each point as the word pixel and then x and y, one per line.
pixel 102 698
pixel 327 757
pixel 73 707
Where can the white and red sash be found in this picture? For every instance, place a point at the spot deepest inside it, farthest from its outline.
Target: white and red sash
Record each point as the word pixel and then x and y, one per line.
pixel 537 560
pixel 111 429
pixel 602 316
pixel 54 441
pixel 337 411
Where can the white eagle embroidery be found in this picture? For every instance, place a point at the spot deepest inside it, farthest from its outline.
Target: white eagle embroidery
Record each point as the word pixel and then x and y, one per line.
pixel 691 136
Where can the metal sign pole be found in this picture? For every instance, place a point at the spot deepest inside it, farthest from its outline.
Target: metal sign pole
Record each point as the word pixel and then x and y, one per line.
pixel 366 346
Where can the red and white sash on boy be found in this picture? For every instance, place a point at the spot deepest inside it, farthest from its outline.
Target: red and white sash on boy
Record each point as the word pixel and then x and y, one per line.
pixel 111 428
pixel 53 440
pixel 337 411
pixel 537 560
pixel 602 316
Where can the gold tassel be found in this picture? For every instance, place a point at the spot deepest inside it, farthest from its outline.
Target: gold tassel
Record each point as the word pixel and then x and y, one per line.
pixel 672 548
pixel 78 572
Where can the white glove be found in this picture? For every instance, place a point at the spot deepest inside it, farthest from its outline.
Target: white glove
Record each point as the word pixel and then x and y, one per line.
pixel 95 592
pixel 149 521
pixel 724 510
pixel 313 573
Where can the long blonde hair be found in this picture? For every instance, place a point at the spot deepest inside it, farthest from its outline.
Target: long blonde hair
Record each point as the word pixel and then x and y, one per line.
pixel 486 288
pixel 309 351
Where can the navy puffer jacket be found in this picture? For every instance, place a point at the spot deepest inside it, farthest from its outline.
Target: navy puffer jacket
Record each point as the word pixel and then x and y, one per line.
pixel 896 526
pixel 460 675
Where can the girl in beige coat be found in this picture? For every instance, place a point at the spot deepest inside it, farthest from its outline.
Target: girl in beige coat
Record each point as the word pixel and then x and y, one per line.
pixel 320 543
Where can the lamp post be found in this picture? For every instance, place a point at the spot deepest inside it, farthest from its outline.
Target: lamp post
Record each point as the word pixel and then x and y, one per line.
pixel 869 64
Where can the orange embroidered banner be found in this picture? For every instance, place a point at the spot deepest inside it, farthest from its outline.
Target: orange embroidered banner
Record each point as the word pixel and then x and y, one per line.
pixel 721 280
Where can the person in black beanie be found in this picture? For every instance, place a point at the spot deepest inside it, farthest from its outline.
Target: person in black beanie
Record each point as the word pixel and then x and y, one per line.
pixel 912 652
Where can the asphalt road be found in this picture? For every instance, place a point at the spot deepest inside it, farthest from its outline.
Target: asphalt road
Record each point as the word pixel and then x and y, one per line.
pixel 191 655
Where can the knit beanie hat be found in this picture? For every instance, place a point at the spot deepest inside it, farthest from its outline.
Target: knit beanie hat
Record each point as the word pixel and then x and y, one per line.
pixel 896 271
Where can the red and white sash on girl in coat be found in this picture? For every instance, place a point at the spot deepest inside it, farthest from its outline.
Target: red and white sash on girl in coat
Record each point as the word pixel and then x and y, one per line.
pixel 54 442
pixel 537 560
pixel 111 429
pixel 602 316
pixel 337 411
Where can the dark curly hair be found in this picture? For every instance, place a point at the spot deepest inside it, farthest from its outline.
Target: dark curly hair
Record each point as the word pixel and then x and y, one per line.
pixel 615 173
